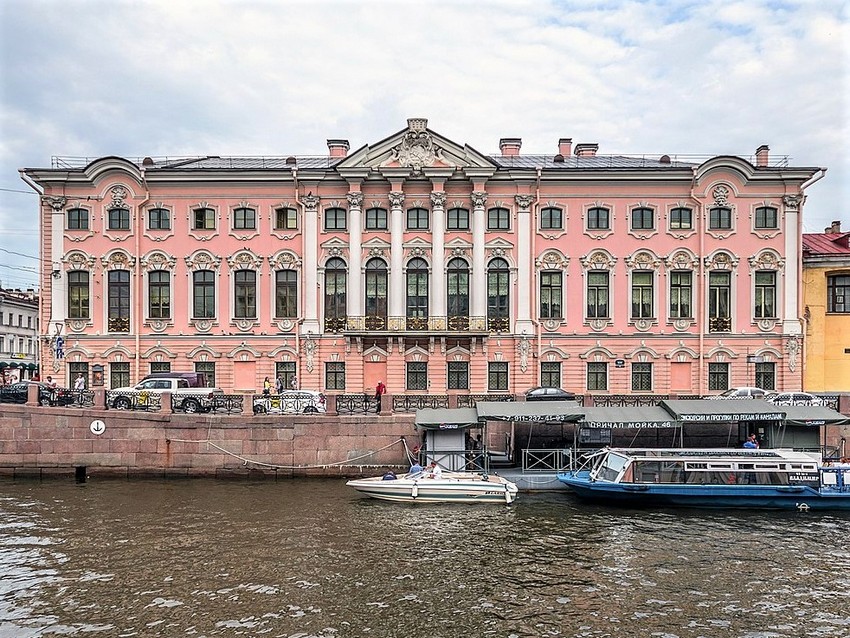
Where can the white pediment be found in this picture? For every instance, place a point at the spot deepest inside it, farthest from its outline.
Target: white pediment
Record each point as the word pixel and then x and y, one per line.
pixel 417 149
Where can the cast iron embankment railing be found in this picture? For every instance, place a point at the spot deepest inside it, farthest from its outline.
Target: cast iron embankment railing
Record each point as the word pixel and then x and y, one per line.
pixel 628 400
pixel 143 400
pixel 357 403
pixel 290 402
pixel 82 399
pixel 192 402
pixel 413 402
pixel 227 403
pixel 830 401
pixel 471 400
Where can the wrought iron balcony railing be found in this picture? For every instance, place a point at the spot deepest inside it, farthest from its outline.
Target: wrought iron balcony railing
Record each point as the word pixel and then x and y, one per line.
pixel 335 324
pixel 458 323
pixel 720 324
pixel 417 323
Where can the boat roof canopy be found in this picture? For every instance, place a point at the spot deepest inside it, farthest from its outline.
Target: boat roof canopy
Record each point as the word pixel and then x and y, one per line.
pixel 446 418
pixel 533 411
pixel 650 416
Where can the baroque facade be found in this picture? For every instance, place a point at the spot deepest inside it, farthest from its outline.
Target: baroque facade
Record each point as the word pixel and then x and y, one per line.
pixel 422 262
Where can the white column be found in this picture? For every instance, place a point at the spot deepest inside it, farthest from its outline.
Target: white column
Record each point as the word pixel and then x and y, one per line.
pixel 478 320
pixel 396 291
pixel 310 219
pixel 791 310
pixel 525 283
pixel 438 260
pixel 354 299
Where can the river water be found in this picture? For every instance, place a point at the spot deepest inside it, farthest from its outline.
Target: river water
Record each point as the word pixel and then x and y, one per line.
pixel 312 558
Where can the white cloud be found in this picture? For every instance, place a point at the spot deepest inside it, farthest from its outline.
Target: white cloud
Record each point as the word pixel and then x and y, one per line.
pixel 277 78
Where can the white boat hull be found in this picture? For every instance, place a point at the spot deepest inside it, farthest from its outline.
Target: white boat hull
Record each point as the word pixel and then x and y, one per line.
pixel 450 488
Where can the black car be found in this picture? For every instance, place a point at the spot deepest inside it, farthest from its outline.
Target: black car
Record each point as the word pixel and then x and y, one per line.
pixel 549 394
pixel 18 393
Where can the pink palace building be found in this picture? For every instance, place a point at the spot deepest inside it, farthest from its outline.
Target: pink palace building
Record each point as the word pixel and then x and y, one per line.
pixel 422 262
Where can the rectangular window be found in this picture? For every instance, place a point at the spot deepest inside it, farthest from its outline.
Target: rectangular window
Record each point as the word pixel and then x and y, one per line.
pixel 118 219
pixel 417 375
pixel 204 219
pixel 244 219
pixel 498 219
pixel 718 376
pixel 335 375
pixel 76 368
pixel 245 294
pixel 207 368
pixel 681 291
pixel 719 297
pixel 765 295
pixel 720 218
pixel 598 219
pixel 550 374
pixel 838 293
pixel 497 376
pixel 642 292
pixel 203 294
pixel 376 219
pixel 78 295
pixel 78 219
pixel 641 377
pixel 597 376
pixel 643 219
pixel 551 294
pixel 118 294
pixel 335 219
pixel 285 219
pixel 119 374
pixel 766 218
pixel 159 294
pixel 458 375
pixel 285 371
pixel 417 219
pixel 681 219
pixel 766 376
pixel 160 366
pixel 597 294
pixel 286 293
pixel 159 219
pixel 457 219
pixel 551 218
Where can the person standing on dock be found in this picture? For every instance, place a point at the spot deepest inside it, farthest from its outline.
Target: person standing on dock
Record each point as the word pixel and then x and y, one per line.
pixel 380 390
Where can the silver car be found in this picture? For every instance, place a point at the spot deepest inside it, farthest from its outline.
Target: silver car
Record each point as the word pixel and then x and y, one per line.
pixel 795 398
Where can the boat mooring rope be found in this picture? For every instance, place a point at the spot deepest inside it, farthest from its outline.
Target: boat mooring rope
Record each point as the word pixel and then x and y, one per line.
pixel 345 463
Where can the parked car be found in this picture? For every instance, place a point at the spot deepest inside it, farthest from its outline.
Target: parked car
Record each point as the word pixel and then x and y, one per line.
pixel 795 398
pixel 194 379
pixel 549 394
pixel 186 398
pixel 47 395
pixel 291 402
pixel 741 393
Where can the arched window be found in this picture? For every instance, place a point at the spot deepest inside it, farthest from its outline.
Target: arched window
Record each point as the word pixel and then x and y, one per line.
pixel 417 294
pixel 118 219
pixel 78 219
pixel 457 219
pixel 551 218
pixel 244 219
pixel 159 219
pixel 498 302
pixel 457 290
pixel 159 294
pixel 335 295
pixel 376 294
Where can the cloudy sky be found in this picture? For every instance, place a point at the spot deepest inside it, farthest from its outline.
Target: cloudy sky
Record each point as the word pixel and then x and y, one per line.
pixel 250 77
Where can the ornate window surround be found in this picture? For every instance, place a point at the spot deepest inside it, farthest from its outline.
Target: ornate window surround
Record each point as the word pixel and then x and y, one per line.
pixel 203 234
pixel 644 260
pixel 553 260
pixel 244 260
pixel 721 194
pixel 159 261
pixel 116 196
pixel 243 234
pixel 600 233
pixel 766 233
pixel 643 233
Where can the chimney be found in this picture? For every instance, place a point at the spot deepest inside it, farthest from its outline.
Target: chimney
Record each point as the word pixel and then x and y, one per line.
pixel 834 228
pixel 762 155
pixel 510 146
pixel 565 146
pixel 586 150
pixel 338 148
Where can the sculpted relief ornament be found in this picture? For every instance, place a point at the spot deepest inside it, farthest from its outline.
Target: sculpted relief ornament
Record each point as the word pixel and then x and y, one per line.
pixel 721 195
pixel 417 149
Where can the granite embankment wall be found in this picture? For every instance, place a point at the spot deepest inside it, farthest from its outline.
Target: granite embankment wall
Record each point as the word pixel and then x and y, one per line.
pixel 43 442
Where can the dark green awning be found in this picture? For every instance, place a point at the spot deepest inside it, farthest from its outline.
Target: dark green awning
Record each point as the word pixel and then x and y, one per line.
pixel 446 418
pixel 813 415
pixel 534 411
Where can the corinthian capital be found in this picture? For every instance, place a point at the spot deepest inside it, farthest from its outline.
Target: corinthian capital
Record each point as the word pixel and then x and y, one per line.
pixel 524 201
pixel 792 202
pixel 479 198
pixel 56 203
pixel 396 198
pixel 438 198
pixel 355 200
pixel 310 201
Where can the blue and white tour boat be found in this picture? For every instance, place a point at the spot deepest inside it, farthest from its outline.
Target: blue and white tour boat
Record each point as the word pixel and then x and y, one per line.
pixel 722 478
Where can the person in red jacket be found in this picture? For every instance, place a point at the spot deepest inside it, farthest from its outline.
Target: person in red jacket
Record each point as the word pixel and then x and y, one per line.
pixel 380 390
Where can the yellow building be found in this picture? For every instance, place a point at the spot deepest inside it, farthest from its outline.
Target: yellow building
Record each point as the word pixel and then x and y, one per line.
pixel 826 304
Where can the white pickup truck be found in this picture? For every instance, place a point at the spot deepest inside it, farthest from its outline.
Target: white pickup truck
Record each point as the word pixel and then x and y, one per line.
pixel 185 397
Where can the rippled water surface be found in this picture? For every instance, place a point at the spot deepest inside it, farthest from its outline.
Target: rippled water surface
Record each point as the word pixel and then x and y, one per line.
pixel 300 559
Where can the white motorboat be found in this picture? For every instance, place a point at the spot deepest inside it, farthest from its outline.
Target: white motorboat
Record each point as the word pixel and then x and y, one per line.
pixel 450 487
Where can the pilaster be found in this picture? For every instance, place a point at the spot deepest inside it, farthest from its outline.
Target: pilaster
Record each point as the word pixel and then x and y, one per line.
pixel 354 300
pixel 791 311
pixel 396 301
pixel 478 320
pixel 438 260
pixel 526 285
pixel 310 217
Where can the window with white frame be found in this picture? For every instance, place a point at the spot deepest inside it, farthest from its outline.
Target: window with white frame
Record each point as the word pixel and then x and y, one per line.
pixel 766 218
pixel 497 376
pixel 765 294
pixel 681 294
pixel 551 218
pixel 597 294
pixel 642 294
pixel 551 294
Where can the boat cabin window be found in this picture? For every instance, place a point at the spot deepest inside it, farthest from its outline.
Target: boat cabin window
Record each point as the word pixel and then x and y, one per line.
pixel 611 467
pixel 659 472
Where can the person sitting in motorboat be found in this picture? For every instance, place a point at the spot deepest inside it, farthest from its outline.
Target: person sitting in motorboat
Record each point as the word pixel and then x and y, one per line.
pixel 415 469
pixel 390 476
pixel 434 470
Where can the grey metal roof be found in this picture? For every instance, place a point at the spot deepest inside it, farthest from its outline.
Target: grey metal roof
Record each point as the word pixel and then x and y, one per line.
pixel 536 411
pixel 586 162
pixel 440 418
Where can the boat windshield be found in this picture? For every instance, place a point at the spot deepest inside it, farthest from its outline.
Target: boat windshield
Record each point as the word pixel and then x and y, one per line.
pixel 610 467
